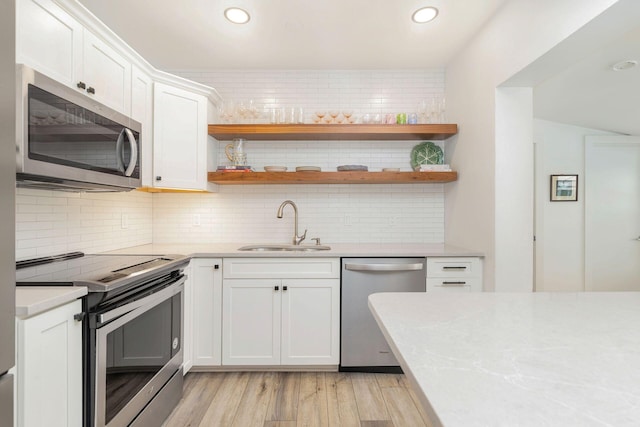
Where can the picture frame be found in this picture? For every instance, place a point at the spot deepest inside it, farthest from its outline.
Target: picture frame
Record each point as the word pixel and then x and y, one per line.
pixel 564 188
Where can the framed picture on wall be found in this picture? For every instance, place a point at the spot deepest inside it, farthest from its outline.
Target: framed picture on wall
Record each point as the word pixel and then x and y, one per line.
pixel 564 188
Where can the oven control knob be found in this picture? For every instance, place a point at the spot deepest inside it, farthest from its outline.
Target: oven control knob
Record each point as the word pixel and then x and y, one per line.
pixel 175 343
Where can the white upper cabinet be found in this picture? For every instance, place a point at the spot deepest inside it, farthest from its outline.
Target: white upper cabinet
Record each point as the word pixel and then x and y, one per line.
pixel 106 74
pixel 48 39
pixel 180 138
pixel 53 42
pixel 64 41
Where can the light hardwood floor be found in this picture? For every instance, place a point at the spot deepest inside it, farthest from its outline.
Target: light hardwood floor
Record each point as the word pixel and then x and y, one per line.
pixel 294 399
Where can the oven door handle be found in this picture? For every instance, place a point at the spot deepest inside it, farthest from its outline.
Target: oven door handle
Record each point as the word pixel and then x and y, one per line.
pixel 165 293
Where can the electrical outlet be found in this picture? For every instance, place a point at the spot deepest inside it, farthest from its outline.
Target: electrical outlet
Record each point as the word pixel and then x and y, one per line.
pixel 196 220
pixel 347 221
pixel 393 221
pixel 124 220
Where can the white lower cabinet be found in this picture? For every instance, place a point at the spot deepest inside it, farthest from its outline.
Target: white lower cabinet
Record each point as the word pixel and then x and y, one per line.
pixel 454 274
pixel 289 316
pixel 206 316
pixel 49 368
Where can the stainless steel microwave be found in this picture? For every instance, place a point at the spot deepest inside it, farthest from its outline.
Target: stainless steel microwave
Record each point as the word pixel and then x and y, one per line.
pixel 68 141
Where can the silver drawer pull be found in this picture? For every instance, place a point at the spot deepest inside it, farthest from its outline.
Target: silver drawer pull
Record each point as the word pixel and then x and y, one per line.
pixel 452 284
pixel 384 267
pixel 447 267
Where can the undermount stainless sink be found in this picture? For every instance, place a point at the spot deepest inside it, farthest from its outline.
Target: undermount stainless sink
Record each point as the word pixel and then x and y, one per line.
pixel 291 248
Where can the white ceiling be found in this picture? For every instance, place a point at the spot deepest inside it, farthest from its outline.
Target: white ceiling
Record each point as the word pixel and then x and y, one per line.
pixel 294 34
pixel 590 94
pixel 574 83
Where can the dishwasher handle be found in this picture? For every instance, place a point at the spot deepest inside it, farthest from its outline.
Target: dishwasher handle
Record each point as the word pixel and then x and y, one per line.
pixel 385 267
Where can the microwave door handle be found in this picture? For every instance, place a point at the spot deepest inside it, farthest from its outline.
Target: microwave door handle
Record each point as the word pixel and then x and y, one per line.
pixel 133 159
pixel 119 151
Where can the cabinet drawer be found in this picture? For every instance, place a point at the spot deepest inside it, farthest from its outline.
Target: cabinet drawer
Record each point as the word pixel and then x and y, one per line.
pixel 454 267
pixel 454 284
pixel 281 268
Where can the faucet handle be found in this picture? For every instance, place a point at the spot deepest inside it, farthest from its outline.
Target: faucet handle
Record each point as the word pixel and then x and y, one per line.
pixel 317 239
pixel 304 235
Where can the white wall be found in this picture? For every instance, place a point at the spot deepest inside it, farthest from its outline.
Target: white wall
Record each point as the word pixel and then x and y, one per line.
pixel 521 32
pixel 411 213
pixel 53 222
pixel 560 225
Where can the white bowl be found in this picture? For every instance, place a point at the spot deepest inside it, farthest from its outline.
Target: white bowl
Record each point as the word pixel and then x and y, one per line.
pixel 275 168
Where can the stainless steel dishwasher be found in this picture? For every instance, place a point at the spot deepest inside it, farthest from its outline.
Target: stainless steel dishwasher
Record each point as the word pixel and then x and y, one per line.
pixel 362 345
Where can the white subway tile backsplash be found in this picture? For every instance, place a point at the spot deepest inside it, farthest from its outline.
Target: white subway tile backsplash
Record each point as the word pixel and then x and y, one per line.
pixel 50 222
pixel 247 214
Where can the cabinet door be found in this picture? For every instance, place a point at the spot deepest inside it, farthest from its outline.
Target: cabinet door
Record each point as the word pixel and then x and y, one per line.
pixel 49 368
pixel 207 311
pixel 142 111
pixel 49 40
pixel 310 322
pixel 251 322
pixel 106 72
pixel 179 138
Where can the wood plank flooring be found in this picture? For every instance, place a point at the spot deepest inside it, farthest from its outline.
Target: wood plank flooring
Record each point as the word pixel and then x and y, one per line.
pixel 296 399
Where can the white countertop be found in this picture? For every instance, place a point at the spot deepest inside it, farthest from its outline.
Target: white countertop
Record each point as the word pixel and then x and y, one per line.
pixel 32 300
pixel 534 359
pixel 214 250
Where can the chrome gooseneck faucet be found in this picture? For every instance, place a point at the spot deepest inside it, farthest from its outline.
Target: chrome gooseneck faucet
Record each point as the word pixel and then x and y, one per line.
pixel 296 239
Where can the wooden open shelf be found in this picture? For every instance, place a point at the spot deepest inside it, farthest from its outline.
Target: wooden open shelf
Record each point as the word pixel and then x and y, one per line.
pixel 240 178
pixel 345 132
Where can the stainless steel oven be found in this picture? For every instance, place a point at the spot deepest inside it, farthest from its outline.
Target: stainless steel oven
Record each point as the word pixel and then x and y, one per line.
pixel 132 331
pixel 67 140
pixel 138 351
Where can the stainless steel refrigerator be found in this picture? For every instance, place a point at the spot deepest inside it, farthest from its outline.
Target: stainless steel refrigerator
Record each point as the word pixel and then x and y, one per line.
pixel 7 209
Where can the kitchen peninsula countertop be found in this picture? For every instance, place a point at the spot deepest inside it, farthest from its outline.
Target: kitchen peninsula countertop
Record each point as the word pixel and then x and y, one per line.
pixel 215 250
pixel 526 359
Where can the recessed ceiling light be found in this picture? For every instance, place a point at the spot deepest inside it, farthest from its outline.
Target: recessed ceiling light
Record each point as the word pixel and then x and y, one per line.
pixel 424 14
pixel 624 65
pixel 237 15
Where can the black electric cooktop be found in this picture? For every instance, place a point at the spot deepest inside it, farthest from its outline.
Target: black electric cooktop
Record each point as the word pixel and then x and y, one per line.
pixel 99 273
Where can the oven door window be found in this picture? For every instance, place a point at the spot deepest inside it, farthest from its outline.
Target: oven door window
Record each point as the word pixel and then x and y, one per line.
pixel 137 351
pixel 64 133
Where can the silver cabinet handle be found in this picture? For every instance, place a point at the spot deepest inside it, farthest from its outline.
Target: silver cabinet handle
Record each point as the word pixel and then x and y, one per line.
pixel 453 284
pixel 454 267
pixel 384 267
